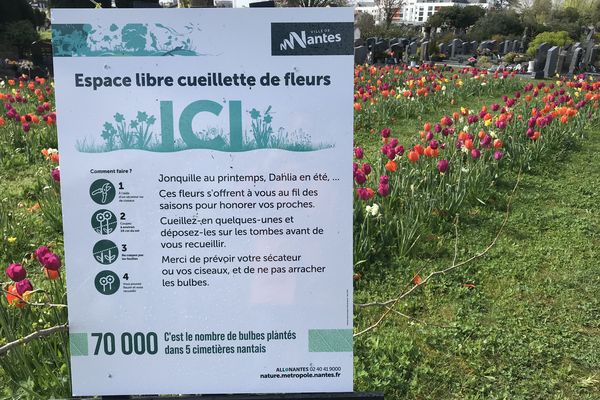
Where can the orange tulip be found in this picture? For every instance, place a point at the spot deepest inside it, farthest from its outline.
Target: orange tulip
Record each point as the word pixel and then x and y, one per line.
pixel 391 166
pixel 413 156
pixel 51 274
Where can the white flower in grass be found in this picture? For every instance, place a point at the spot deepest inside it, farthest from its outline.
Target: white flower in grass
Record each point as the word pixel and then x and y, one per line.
pixel 373 210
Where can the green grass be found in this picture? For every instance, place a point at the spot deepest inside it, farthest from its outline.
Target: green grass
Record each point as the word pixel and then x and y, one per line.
pixel 529 329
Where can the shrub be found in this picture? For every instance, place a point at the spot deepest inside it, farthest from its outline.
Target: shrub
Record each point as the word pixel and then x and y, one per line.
pixel 560 38
pixel 20 34
pixel 484 62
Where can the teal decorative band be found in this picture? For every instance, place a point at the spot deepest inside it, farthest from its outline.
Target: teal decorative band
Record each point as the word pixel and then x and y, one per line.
pixel 329 340
pixel 129 40
pixel 79 344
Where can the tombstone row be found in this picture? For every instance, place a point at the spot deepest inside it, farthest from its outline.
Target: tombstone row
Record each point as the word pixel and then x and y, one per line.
pixel 549 60
pixel 571 59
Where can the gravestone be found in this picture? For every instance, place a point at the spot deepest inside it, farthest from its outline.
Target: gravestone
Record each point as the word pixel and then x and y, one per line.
pixel 574 65
pixel 589 47
pixel 371 42
pixel 570 49
pixel 505 47
pixel 456 48
pixel 595 54
pixel 425 51
pixel 41 54
pixel 524 41
pixel 412 48
pixel 515 46
pixel 473 47
pixel 397 50
pixel 393 41
pixel 489 45
pixel 551 62
pixel 444 49
pixel 360 54
pixel 540 60
pixel 466 47
pixel 561 65
pixel 379 50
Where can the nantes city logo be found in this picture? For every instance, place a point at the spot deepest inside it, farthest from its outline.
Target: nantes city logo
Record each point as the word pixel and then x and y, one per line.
pixel 312 39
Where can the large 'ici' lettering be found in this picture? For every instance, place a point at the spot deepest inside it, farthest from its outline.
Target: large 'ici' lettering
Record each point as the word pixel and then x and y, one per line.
pixel 187 116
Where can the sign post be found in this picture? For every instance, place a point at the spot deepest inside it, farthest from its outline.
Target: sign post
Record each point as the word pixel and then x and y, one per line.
pixel 206 191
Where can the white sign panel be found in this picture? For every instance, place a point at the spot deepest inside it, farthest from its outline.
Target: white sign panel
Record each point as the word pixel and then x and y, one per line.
pixel 207 198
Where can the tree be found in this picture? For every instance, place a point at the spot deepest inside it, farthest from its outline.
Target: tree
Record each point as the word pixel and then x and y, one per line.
pixel 504 23
pixel 364 21
pixel 15 10
pixel 455 17
pixel 389 8
pixel 21 34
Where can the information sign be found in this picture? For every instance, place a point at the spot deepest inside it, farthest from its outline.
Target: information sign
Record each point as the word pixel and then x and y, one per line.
pixel 207 198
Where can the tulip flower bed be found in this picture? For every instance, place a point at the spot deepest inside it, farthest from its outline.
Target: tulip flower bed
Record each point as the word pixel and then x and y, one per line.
pixel 437 152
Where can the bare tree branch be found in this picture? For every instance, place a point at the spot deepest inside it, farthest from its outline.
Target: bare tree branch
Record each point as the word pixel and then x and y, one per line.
pixel 32 336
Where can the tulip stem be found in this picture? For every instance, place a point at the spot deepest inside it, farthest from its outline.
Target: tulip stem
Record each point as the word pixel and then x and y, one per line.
pixel 35 335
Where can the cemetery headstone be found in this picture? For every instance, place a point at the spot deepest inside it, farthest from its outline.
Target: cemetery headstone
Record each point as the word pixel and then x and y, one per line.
pixel 524 44
pixel 41 54
pixel 360 54
pixel 515 46
pixel 398 50
pixel 589 46
pixel 444 49
pixel 371 42
pixel 540 59
pixel 425 51
pixel 574 65
pixel 551 62
pixel 456 48
pixel 379 51
pixel 473 47
pixel 412 49
pixel 561 64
